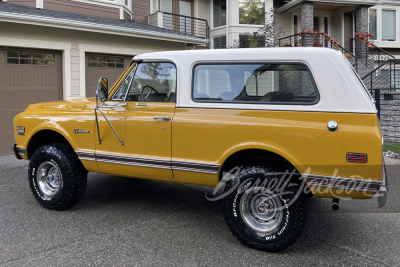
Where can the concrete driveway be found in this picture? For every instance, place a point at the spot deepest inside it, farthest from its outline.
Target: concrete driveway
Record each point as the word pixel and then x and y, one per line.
pixel 123 221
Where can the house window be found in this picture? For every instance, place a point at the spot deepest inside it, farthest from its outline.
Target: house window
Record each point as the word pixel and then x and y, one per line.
pixel 295 24
pixel 219 42
pixel 250 41
pixel 373 23
pixel 252 12
pixel 389 25
pixel 326 25
pixel 27 58
pixel 219 13
pixel 106 62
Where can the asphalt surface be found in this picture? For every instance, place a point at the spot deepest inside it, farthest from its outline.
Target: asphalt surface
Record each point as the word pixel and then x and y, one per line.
pixel 131 222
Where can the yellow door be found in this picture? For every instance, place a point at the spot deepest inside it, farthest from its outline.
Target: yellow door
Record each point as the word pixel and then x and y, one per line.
pixel 142 116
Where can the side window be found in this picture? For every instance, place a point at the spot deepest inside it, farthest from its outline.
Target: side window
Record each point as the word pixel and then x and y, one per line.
pixel 153 82
pixel 262 83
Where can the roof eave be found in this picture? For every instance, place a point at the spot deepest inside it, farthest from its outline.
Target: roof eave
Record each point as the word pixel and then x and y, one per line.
pixel 294 3
pixel 94 27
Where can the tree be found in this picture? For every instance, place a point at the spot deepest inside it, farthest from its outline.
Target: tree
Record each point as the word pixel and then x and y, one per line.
pixel 251 12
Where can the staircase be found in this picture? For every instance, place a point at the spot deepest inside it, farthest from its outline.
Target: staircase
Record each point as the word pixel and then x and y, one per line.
pixel 378 69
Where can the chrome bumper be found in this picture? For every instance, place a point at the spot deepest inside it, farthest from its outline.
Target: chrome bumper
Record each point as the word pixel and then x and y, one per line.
pixel 384 188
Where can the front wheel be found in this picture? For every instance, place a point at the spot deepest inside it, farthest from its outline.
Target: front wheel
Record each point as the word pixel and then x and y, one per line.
pixel 263 210
pixel 57 178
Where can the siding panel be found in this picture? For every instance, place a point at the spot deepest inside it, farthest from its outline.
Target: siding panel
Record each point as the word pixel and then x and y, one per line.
pixel 31 3
pixel 81 8
pixel 140 10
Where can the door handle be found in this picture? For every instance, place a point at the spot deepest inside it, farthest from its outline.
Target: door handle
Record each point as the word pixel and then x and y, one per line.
pixel 113 105
pixel 162 118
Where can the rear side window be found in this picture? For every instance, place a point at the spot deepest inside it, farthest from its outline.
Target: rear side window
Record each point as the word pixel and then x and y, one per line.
pixel 258 82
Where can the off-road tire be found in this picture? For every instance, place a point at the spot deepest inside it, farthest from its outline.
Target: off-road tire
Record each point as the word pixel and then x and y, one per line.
pixel 72 176
pixel 293 206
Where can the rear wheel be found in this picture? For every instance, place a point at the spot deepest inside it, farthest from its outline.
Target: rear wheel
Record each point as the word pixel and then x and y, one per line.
pixel 56 176
pixel 263 209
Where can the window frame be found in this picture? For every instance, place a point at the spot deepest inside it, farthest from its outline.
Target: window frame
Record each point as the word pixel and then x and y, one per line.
pixel 255 102
pixel 396 24
pixel 218 36
pixel 212 16
pixel 106 62
pixel 134 69
pixel 31 58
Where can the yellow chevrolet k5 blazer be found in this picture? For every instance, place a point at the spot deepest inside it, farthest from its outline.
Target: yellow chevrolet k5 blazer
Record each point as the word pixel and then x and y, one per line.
pixel 266 127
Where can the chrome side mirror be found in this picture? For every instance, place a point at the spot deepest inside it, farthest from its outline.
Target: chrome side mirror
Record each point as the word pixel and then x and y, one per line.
pixel 102 90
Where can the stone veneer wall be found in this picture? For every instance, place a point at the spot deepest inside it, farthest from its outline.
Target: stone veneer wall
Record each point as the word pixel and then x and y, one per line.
pixel 390 119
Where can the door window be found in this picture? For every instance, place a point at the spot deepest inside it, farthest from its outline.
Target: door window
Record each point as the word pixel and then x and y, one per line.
pixel 152 82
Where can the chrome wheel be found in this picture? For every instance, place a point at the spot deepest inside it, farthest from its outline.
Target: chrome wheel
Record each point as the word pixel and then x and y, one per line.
pixel 48 179
pixel 261 210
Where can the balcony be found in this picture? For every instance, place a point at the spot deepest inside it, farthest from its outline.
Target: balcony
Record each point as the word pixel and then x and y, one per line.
pixel 184 24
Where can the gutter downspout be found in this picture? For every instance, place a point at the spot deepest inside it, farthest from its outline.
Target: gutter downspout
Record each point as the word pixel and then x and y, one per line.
pixel 227 23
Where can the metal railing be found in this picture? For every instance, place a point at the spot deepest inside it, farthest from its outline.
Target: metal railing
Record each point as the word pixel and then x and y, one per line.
pixel 184 24
pixel 318 39
pixel 368 54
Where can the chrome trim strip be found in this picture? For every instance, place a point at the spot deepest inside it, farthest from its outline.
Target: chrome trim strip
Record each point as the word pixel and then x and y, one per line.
pixel 342 183
pixel 342 187
pixel 149 162
pixel 132 158
pixel 134 164
pixel 341 179
pixel 195 163
pixel 194 170
pixel 85 158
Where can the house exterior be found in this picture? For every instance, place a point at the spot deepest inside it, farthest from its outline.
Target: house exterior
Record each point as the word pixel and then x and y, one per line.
pixel 53 50
pixel 57 49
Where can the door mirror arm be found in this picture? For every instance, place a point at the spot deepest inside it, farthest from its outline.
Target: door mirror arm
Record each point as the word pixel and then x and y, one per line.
pixel 102 94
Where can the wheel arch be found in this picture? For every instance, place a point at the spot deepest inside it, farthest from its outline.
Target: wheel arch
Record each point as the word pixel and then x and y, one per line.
pixel 244 154
pixel 45 137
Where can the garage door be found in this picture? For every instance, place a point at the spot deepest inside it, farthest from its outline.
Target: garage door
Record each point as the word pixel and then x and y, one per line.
pixel 108 66
pixel 26 77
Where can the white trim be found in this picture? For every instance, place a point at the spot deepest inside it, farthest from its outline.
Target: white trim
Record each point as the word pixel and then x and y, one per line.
pixel 151 7
pixel 227 23
pixel 50 45
pixel 212 15
pixel 93 27
pixel 39 4
pixel 121 13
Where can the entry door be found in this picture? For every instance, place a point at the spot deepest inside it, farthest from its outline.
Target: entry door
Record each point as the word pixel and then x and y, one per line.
pixel 142 117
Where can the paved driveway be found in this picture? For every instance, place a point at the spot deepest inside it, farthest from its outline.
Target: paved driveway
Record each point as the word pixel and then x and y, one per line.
pixel 122 221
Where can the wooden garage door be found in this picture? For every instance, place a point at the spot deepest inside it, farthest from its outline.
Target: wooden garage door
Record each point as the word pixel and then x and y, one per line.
pixel 26 77
pixel 108 66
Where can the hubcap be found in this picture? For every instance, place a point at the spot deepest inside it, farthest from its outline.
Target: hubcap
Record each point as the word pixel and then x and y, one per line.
pixel 260 210
pixel 48 178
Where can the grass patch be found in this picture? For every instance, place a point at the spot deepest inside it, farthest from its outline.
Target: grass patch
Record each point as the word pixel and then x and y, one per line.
pixel 395 147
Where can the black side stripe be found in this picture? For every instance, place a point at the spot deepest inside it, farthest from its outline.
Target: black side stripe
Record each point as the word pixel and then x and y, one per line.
pixel 147 162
